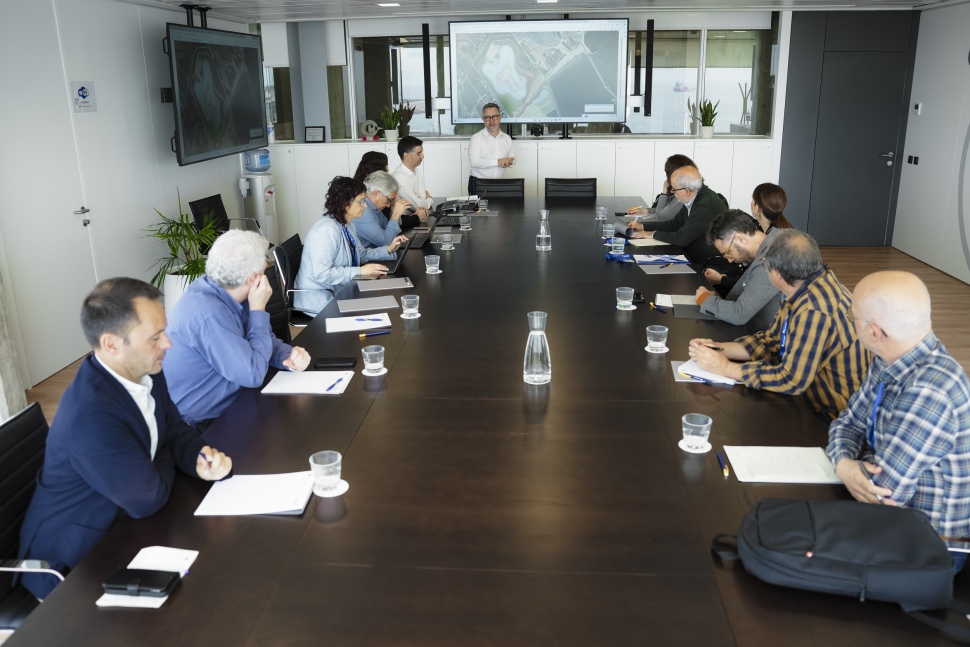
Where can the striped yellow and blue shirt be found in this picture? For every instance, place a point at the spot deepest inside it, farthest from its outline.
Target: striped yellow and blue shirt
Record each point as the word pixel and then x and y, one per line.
pixel 811 348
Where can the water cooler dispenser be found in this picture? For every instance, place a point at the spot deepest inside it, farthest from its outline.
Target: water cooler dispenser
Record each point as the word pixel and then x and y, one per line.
pixel 260 204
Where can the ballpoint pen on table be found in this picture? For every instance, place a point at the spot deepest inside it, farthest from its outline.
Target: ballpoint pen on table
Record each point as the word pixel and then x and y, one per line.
pixel 368 319
pixel 339 380
pixel 375 334
pixel 724 467
pixel 658 308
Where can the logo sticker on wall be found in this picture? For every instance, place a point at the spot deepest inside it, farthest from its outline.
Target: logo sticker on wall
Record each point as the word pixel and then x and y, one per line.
pixel 83 96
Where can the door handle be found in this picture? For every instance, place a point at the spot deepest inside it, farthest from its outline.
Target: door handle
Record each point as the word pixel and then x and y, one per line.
pixel 889 154
pixel 83 210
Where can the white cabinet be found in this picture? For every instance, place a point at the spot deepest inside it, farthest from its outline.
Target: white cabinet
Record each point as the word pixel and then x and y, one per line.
pixel 442 169
pixel 356 151
pixel 526 166
pixel 283 169
pixel 556 159
pixel 597 159
pixel 316 166
pixel 751 167
pixel 714 159
pixel 636 173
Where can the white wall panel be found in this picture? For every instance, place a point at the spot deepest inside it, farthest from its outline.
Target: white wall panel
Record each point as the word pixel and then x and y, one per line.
pixel 752 166
pixel 316 166
pixel 714 159
pixel 635 171
pixel 597 159
pixel 526 166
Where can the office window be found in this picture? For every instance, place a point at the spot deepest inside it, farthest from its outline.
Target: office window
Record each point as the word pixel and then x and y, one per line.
pixel 740 73
pixel 389 70
pixel 676 56
pixel 279 101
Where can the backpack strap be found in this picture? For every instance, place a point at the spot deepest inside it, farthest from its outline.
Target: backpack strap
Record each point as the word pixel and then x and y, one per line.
pixel 727 551
pixel 945 627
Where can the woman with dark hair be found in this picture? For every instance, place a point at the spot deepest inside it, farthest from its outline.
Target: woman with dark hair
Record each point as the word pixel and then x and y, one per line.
pixel 370 162
pixel 768 204
pixel 332 255
pixel 666 205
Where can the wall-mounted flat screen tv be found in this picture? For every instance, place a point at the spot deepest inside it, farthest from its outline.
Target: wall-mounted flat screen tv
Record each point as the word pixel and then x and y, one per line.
pixel 539 71
pixel 217 82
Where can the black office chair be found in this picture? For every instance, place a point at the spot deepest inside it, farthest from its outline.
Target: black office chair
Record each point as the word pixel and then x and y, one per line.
pixel 22 441
pixel 276 306
pixel 513 187
pixel 581 187
pixel 213 205
pixel 288 255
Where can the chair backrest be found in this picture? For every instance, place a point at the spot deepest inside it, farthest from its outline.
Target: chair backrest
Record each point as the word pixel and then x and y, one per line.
pixel 276 306
pixel 513 187
pixel 288 255
pixel 214 205
pixel 23 439
pixel 580 187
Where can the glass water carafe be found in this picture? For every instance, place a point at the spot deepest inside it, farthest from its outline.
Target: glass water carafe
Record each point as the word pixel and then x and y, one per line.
pixel 537 365
pixel 544 235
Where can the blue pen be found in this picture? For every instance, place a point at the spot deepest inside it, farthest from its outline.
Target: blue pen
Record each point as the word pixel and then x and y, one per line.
pixel 700 379
pixel 375 334
pixel 339 380
pixel 207 459
pixel 368 319
pixel 655 307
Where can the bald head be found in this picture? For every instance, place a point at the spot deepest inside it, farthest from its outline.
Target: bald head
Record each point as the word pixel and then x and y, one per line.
pixel 897 302
pixel 685 182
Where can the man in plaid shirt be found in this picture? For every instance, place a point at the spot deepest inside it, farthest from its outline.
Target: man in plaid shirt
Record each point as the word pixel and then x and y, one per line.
pixel 811 347
pixel 905 437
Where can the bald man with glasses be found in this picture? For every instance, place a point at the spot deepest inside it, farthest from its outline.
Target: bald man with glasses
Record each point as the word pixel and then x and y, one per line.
pixel 490 150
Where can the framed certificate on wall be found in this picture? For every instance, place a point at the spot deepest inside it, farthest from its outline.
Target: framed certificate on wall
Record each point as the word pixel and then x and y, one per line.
pixel 315 134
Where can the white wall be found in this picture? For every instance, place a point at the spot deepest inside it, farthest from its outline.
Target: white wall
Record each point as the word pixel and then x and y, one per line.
pixel 928 214
pixel 119 156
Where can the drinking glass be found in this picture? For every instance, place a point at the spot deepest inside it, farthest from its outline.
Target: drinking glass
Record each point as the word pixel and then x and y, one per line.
pixel 431 264
pixel 618 244
pixel 325 468
pixel 373 360
pixel 697 429
pixel 656 339
pixel 447 242
pixel 624 299
pixel 465 222
pixel 409 303
pixel 608 230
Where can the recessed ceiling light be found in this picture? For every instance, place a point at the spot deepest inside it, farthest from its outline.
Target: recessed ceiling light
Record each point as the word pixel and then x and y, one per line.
pixel 388 4
pixel 546 1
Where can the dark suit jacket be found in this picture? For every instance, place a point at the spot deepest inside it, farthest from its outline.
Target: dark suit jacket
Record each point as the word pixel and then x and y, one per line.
pixel 98 466
pixel 691 232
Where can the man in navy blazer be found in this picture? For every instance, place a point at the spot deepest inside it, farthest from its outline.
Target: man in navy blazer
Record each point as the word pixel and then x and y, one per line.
pixel 117 437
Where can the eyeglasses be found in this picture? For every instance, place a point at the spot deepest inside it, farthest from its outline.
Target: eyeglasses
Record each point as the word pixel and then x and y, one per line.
pixel 729 245
pixel 673 190
pixel 490 117
pixel 361 201
pixel 853 319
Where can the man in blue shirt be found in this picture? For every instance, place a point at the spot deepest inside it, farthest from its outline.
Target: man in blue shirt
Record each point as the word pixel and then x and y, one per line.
pixel 904 438
pixel 374 229
pixel 220 332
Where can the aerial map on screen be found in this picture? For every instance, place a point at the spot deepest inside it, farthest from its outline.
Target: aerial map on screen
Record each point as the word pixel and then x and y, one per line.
pixel 220 96
pixel 541 73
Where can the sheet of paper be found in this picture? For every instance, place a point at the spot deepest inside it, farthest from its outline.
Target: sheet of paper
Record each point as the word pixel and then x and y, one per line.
pixel 309 382
pixel 691 368
pixel 680 376
pixel 403 283
pixel 781 464
pixel 360 322
pixel 646 242
pixel 678 268
pixel 130 601
pixel 258 494
pixel 368 303
pixel 660 259
pixel 162 558
pixel 671 300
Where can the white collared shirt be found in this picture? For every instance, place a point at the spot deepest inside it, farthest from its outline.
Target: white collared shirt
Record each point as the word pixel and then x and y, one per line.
pixel 484 152
pixel 141 393
pixel 410 187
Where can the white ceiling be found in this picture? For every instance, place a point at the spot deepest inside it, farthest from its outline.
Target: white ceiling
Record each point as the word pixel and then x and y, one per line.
pixel 252 11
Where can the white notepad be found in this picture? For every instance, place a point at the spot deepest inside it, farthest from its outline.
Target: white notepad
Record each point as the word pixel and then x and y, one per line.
pixel 385 284
pixel 152 558
pixel 671 300
pixel 309 382
pixel 781 464
pixel 258 494
pixel 367 321
pixel 690 367
pixel 646 242
pixel 367 303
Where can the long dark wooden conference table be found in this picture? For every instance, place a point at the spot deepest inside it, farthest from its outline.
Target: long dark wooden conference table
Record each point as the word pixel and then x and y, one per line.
pixel 481 510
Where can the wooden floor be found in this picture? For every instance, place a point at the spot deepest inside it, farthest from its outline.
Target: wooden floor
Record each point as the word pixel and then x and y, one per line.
pixel 950 296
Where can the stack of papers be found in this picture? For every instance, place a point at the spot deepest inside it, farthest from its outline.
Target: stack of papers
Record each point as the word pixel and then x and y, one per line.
pixel 646 242
pixel 152 558
pixel 691 369
pixel 309 383
pixel 361 322
pixel 258 494
pixel 671 300
pixel 781 464
pixel 403 283
pixel 369 303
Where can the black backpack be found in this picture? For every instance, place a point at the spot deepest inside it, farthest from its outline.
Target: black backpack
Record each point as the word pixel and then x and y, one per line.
pixel 849 548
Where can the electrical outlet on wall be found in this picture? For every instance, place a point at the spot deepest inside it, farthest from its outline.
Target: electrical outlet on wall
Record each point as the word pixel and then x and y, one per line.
pixel 918 108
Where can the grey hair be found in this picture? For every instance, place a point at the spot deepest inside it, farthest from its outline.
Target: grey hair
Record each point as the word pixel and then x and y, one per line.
pixel 795 255
pixel 689 178
pixel 382 182
pixel 491 104
pixel 234 256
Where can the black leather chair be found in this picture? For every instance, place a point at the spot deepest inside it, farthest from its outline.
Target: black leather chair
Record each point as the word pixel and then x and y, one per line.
pixel 214 206
pixel 513 187
pixel 22 441
pixel 288 255
pixel 581 187
pixel 276 306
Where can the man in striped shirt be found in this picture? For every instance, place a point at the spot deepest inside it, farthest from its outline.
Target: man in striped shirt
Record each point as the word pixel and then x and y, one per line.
pixel 905 437
pixel 811 347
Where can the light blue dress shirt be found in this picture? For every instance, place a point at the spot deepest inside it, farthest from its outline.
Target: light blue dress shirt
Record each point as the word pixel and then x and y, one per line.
pixel 374 229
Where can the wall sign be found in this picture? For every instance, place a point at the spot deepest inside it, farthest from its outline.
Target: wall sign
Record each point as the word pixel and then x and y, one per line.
pixel 83 96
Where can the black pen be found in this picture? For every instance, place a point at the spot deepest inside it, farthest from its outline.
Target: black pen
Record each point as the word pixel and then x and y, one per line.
pixel 868 476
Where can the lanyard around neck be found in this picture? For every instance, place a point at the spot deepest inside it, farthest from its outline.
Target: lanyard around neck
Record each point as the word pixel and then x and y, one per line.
pixel 872 419
pixel 353 245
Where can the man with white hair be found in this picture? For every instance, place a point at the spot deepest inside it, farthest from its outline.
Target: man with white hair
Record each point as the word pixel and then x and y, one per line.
pixel 220 332
pixel 374 229
pixel 904 439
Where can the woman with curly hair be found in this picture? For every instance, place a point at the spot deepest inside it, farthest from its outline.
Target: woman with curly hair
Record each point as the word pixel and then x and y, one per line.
pixel 332 254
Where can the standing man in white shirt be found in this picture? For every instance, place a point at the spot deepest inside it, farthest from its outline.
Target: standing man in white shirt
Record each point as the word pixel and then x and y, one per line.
pixel 410 182
pixel 490 150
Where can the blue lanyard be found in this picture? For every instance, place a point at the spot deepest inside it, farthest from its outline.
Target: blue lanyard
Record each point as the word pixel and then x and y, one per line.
pixel 784 337
pixel 872 421
pixel 353 245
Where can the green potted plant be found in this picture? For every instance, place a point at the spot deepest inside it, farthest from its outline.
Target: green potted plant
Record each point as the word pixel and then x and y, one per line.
pixel 391 118
pixel 707 112
pixel 187 244
pixel 406 111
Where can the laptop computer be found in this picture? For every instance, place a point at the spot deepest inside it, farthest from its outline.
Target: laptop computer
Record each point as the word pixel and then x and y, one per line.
pixel 420 236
